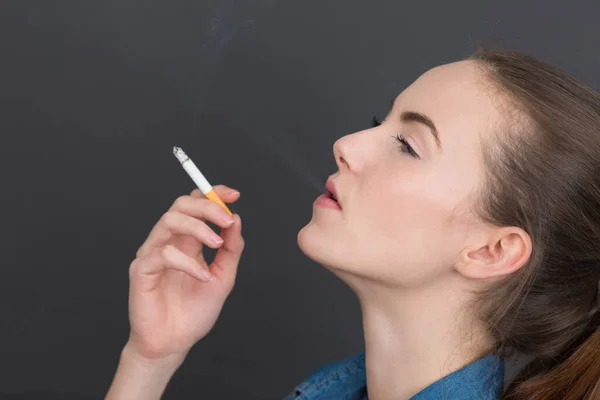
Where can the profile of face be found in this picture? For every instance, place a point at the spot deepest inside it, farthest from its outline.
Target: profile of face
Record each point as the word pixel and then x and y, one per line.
pixel 406 187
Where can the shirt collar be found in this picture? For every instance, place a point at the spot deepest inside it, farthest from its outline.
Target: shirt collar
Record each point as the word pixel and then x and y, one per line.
pixel 481 379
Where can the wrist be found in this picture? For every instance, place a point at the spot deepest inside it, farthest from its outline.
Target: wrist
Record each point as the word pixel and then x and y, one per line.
pixel 142 378
pixel 133 357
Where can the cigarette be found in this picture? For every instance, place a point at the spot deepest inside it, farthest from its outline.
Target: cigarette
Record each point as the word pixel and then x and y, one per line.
pixel 198 178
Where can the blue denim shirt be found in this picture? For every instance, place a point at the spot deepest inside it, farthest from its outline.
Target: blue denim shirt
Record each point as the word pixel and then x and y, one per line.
pixel 483 379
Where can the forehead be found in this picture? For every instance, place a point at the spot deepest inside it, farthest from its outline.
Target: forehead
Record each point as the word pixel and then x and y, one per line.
pixel 457 98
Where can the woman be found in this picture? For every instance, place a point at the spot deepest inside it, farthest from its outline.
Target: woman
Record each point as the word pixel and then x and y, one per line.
pixel 467 223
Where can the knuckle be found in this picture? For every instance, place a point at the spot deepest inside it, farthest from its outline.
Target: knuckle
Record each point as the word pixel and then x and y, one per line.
pixel 133 267
pixel 181 202
pixel 163 218
pixel 166 251
pixel 168 218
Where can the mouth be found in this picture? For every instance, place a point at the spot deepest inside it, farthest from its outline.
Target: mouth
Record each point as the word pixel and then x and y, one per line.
pixel 329 199
pixel 331 196
pixel 330 190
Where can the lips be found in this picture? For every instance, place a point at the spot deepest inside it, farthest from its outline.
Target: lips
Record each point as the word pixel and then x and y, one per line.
pixel 331 190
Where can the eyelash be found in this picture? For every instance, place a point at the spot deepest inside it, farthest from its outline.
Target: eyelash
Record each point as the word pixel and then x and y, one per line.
pixel 406 147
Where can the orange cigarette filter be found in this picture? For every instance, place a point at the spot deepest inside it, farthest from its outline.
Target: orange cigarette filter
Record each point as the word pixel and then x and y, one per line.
pixel 212 195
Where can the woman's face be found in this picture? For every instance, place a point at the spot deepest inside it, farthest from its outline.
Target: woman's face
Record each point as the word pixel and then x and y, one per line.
pixel 405 206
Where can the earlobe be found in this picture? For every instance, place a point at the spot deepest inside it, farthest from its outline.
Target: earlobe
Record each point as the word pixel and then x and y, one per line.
pixel 507 250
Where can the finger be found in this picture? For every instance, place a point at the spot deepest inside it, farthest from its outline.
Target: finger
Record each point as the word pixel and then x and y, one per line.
pixel 168 257
pixel 188 205
pixel 227 194
pixel 177 223
pixel 204 209
pixel 190 245
pixel 225 263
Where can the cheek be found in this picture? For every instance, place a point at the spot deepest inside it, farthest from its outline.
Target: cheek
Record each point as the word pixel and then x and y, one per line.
pixel 402 233
pixel 412 213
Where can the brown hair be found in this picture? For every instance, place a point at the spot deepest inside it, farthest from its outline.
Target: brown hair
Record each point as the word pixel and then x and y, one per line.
pixel 543 175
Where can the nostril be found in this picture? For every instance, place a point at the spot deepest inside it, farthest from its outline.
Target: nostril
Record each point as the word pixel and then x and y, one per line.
pixel 343 161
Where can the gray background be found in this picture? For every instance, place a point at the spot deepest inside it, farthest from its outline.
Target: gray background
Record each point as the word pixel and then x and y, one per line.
pixel 93 95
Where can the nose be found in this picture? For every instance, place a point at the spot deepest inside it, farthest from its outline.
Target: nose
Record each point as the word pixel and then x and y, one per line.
pixel 349 153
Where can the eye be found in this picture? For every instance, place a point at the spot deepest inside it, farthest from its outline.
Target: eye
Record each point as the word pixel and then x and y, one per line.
pixel 405 146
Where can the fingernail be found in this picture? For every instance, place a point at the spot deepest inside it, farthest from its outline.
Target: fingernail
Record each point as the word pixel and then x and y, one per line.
pixel 229 221
pixel 217 239
pixel 206 275
pixel 235 192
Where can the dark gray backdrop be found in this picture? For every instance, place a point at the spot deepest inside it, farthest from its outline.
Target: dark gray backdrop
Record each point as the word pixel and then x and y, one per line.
pixel 94 95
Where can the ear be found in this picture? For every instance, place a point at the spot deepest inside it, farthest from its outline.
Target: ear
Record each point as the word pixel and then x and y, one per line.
pixel 500 252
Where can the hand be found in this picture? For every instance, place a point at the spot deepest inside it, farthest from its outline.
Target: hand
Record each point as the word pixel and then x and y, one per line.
pixel 174 297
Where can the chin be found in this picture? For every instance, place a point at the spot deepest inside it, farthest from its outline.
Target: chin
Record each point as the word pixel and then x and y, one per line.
pixel 306 240
pixel 322 247
pixel 315 244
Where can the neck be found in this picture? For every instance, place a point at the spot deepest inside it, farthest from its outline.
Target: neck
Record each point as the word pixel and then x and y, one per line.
pixel 414 337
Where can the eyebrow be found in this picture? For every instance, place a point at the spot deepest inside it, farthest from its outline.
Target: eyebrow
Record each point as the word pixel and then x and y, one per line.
pixel 413 116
